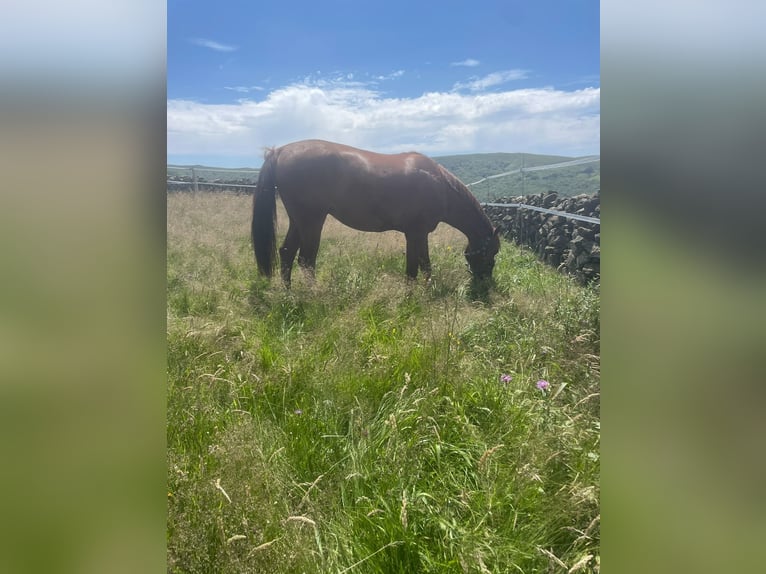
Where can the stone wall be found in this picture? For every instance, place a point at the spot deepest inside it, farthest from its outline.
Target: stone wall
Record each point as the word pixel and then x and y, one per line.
pixel 569 245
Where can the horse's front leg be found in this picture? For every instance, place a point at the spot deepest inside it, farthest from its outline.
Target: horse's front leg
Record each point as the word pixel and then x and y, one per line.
pixel 425 265
pixel 417 255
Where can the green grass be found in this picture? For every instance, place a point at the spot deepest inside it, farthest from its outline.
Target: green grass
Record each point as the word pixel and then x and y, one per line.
pixel 359 424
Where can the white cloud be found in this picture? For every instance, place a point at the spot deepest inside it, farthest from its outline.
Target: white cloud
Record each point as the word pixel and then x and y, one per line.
pixel 530 120
pixel 493 79
pixel 217 46
pixel 331 81
pixel 391 76
pixel 470 63
pixel 244 89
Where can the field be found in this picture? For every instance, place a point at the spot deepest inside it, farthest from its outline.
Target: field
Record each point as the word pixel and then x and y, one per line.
pixel 363 424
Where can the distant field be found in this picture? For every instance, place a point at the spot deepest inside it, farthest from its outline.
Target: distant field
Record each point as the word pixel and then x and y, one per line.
pixel 205 173
pixel 573 180
pixel 362 424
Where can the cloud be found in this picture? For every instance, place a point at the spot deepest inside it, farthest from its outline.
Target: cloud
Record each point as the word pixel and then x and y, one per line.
pixel 244 89
pixel 391 76
pixel 217 46
pixel 331 81
pixel 541 120
pixel 469 63
pixel 493 79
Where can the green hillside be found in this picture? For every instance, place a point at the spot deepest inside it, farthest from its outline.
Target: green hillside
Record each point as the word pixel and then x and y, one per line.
pixel 573 180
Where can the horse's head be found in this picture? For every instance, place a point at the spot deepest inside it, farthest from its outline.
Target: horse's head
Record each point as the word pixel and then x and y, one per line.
pixel 481 258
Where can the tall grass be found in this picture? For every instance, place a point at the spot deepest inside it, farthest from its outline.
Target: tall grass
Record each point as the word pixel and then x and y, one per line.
pixel 359 423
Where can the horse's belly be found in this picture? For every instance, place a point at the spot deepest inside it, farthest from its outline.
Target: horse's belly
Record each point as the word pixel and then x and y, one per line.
pixel 367 219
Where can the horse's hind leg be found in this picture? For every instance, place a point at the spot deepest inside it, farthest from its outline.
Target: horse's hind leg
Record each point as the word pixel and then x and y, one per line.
pixel 287 253
pixel 310 237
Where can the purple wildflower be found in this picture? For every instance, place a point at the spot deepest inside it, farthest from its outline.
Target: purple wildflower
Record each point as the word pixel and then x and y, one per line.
pixel 543 385
pixel 505 378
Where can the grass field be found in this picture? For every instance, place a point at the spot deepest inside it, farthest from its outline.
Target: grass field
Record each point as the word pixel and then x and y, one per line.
pixel 363 424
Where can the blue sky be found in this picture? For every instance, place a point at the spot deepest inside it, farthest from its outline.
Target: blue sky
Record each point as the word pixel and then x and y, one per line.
pixel 436 77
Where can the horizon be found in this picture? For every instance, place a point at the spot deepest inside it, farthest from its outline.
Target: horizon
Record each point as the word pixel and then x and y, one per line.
pixel 435 157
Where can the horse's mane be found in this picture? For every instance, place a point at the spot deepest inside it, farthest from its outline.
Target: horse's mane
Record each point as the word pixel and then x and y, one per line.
pixel 457 186
pixel 466 201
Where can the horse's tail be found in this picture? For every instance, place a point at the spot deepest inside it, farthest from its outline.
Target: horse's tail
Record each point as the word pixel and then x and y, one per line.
pixel 265 215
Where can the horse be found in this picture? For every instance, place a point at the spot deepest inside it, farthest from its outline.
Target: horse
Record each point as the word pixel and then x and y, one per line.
pixel 368 191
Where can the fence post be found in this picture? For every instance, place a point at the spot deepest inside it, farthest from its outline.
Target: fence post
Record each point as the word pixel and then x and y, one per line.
pixel 523 192
pixel 194 179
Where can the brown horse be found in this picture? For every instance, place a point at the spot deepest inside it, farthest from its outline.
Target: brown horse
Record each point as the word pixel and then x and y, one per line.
pixel 406 192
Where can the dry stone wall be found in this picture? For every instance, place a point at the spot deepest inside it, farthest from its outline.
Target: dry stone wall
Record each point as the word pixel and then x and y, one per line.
pixel 567 244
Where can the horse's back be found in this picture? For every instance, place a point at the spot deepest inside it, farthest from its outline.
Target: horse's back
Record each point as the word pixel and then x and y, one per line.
pixel 362 189
pixel 341 164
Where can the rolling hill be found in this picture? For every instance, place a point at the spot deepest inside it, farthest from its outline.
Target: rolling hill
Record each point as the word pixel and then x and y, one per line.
pixel 572 180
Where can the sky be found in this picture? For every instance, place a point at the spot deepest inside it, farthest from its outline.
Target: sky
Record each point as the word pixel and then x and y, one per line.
pixel 441 78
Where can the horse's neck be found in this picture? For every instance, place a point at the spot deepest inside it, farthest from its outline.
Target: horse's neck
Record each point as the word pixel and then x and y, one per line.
pixel 465 214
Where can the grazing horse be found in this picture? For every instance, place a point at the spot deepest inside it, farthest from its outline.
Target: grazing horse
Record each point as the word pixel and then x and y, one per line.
pixel 406 192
